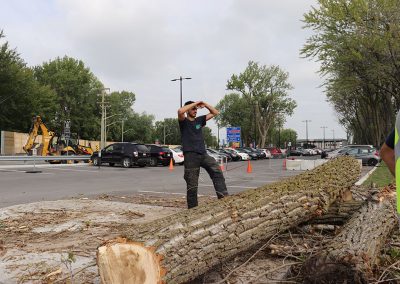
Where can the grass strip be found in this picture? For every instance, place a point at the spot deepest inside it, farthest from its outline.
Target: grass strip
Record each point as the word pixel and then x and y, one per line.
pixel 380 177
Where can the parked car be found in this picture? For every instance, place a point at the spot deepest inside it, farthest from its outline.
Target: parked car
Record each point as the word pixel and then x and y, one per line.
pixel 297 152
pixel 243 155
pixel 177 154
pixel 235 156
pixel 160 155
pixel 369 156
pixel 267 153
pixel 275 151
pixel 340 151
pixel 253 156
pixel 258 152
pixel 126 153
pixel 218 158
pixel 222 154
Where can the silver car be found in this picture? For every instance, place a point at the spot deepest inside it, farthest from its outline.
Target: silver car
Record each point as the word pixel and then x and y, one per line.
pixel 369 156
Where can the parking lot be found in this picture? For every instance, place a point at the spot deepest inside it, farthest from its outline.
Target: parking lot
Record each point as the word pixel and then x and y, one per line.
pixel 86 181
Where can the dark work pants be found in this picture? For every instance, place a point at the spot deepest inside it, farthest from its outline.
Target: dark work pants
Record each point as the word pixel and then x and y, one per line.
pixel 193 161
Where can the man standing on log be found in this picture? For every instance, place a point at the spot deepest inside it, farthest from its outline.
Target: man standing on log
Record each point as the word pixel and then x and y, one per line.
pixel 195 153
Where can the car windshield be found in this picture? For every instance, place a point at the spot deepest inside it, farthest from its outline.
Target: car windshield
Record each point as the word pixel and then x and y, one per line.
pixel 177 150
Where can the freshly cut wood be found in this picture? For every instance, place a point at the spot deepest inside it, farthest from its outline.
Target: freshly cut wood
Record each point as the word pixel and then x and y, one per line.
pixel 182 246
pixel 338 213
pixel 353 253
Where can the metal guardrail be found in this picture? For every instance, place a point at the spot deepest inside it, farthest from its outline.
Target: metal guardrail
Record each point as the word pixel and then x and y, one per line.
pixel 45 158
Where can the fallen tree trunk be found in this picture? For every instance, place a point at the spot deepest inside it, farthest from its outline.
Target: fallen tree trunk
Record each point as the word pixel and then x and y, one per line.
pixel 352 254
pixel 182 246
pixel 338 213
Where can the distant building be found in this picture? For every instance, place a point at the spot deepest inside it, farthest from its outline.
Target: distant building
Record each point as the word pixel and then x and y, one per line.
pixel 322 144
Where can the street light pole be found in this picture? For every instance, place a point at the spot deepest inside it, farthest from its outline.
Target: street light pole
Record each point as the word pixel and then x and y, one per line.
pixel 180 84
pixel 324 127
pixel 307 121
pixel 334 142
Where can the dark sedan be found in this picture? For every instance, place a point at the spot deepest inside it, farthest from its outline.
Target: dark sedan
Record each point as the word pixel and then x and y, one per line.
pixel 160 155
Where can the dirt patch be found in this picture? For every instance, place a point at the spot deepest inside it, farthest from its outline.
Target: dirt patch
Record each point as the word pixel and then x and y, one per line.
pixel 58 237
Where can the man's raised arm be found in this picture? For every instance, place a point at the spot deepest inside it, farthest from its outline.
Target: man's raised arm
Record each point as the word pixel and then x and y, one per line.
pixel 184 109
pixel 213 111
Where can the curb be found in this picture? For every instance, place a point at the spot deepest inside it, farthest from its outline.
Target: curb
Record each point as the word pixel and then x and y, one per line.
pixel 364 178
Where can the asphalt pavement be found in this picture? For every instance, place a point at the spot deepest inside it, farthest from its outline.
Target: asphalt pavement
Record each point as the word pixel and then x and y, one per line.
pixel 54 182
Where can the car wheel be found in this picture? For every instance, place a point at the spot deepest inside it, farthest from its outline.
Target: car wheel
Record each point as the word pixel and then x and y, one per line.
pixel 111 164
pixel 372 162
pixel 96 161
pixel 153 162
pixel 126 162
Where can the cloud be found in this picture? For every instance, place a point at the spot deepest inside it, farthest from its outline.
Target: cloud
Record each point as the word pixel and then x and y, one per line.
pixel 141 45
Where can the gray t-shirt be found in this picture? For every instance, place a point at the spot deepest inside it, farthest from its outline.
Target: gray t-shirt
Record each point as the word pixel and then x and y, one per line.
pixel 192 135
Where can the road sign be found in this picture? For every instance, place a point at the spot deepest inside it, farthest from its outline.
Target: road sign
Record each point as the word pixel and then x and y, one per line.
pixel 67 129
pixel 233 134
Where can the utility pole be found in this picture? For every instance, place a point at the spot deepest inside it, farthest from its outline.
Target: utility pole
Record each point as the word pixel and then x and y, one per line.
pixel 180 81
pixel 324 127
pixel 164 131
pixel 218 135
pixel 334 142
pixel 103 118
pixel 306 121
pixel 122 130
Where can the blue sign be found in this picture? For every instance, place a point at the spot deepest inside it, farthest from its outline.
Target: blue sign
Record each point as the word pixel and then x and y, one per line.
pixel 233 134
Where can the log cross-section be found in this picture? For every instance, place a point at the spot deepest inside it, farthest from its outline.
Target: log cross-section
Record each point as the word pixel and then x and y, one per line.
pixel 189 243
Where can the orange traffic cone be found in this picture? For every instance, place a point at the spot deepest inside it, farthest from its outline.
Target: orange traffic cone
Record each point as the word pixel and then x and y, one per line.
pixel 171 164
pixel 249 168
pixel 284 164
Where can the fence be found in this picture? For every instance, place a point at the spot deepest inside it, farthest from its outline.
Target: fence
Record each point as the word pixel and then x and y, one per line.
pixel 11 143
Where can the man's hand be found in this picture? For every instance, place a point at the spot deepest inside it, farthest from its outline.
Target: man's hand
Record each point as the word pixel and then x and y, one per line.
pixel 201 104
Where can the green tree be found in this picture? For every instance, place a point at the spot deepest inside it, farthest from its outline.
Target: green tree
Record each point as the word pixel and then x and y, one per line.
pixel 139 128
pixel 281 137
pixel 168 128
pixel 21 96
pixel 266 92
pixel 77 92
pixel 209 139
pixel 236 112
pixel 119 109
pixel 357 45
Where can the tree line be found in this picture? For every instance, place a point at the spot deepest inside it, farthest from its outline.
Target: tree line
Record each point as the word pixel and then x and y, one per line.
pixel 65 89
pixel 357 43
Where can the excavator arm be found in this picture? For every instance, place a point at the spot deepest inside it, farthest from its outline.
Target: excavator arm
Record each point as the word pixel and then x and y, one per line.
pixel 33 132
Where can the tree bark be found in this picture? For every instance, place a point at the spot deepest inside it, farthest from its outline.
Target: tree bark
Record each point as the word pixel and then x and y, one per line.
pixel 338 213
pixel 352 255
pixel 182 246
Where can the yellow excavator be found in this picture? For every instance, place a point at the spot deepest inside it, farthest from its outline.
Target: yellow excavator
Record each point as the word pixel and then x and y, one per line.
pixel 52 144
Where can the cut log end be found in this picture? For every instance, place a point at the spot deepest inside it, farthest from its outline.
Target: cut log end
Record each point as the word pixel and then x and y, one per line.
pixel 123 261
pixel 322 269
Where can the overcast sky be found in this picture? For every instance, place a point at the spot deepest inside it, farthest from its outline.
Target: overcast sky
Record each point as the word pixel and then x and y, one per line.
pixel 141 45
